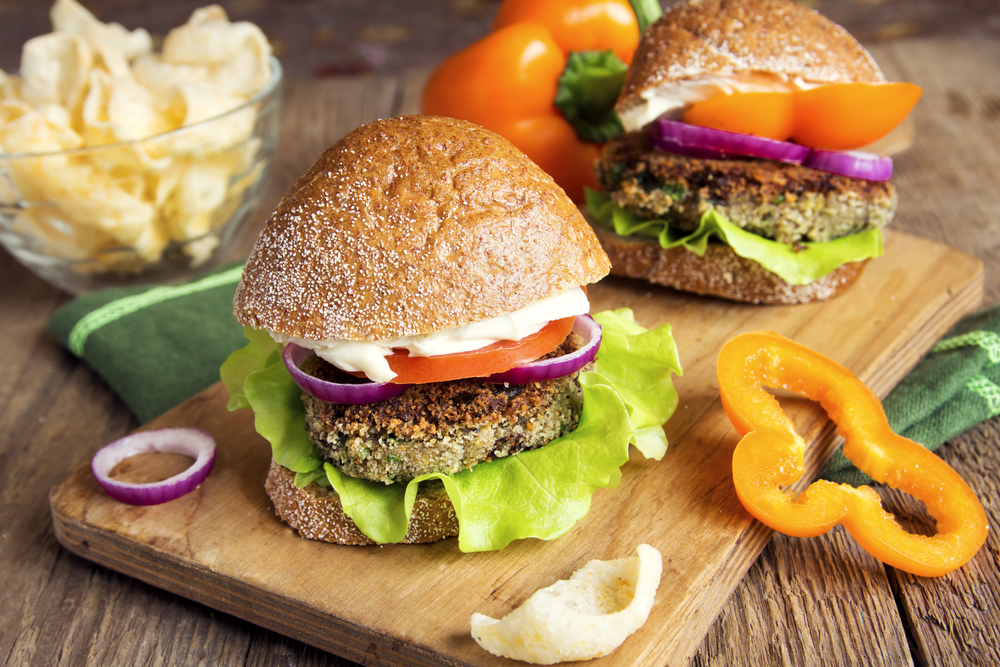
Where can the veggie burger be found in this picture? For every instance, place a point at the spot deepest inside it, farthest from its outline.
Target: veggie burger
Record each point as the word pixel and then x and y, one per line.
pixel 417 318
pixel 738 174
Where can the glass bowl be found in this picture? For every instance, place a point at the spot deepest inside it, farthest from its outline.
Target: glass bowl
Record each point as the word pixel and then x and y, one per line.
pixel 154 210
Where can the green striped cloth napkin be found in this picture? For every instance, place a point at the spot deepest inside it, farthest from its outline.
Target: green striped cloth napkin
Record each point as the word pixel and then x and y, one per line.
pixel 954 388
pixel 155 346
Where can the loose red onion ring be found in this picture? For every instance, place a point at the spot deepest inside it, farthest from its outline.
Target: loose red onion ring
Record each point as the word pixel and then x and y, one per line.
pixel 362 393
pixel 853 164
pixel 674 136
pixel 548 369
pixel 188 441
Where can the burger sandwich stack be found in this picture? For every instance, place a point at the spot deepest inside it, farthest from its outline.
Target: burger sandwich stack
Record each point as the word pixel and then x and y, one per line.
pixel 739 172
pixel 421 356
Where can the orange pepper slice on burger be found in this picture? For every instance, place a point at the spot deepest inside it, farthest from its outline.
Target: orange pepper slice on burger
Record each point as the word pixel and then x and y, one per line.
pixel 844 116
pixel 770 455
pixel 768 114
pixel 837 116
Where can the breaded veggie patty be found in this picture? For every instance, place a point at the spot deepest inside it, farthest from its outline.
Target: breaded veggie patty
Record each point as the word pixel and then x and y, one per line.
pixel 784 202
pixel 440 427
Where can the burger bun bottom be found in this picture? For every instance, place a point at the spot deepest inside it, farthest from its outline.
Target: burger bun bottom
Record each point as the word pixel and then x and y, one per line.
pixel 720 272
pixel 316 513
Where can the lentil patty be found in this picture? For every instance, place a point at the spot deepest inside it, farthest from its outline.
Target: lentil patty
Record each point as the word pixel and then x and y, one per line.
pixel 442 426
pixel 784 202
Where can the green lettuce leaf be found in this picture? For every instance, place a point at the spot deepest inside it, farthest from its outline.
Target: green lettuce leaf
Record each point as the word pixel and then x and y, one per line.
pixel 260 353
pixel 796 265
pixel 639 367
pixel 540 493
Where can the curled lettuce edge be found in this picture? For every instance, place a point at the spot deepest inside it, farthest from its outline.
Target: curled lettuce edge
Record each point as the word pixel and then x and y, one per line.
pixel 542 493
pixel 797 265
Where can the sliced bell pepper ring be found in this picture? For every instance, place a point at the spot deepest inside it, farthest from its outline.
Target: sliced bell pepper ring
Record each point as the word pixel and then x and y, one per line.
pixel 768 114
pixel 844 116
pixel 771 455
pixel 508 81
pixel 837 116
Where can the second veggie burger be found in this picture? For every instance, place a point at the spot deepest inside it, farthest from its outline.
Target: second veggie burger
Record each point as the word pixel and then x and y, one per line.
pixel 738 174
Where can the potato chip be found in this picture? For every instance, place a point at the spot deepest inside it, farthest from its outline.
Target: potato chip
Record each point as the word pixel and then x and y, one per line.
pixel 10 86
pixel 162 77
pixel 12 109
pixel 59 117
pixel 197 103
pixel 71 18
pixel 26 130
pixel 51 230
pixel 201 188
pixel 120 109
pixel 586 616
pixel 9 195
pixel 113 61
pixel 239 52
pixel 54 69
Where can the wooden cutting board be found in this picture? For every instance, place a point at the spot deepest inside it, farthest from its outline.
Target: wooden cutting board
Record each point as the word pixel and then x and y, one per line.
pixel 221 545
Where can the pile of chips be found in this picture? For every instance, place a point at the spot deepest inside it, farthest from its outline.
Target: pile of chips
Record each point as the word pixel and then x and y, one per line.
pixel 89 84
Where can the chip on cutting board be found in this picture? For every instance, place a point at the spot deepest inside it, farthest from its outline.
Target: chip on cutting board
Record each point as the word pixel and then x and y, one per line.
pixel 586 616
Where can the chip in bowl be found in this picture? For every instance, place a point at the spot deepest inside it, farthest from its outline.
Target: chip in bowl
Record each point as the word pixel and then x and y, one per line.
pixel 122 164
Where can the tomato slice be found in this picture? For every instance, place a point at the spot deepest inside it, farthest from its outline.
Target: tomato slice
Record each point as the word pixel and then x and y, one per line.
pixel 769 114
pixel 499 356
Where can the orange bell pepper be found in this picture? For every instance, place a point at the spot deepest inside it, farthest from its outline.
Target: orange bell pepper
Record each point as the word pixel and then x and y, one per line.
pixel 771 455
pixel 837 116
pixel 589 25
pixel 507 81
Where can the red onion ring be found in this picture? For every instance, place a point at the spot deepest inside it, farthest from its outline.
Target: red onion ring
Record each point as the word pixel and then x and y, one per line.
pixel 853 164
pixel 556 367
pixel 674 136
pixel 709 143
pixel 361 393
pixel 188 441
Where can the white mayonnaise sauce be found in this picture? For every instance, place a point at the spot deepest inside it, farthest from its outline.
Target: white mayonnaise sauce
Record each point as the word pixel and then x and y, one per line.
pixel 672 99
pixel 368 357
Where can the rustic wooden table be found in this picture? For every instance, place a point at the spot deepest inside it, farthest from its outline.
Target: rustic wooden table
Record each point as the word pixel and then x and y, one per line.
pixel 816 601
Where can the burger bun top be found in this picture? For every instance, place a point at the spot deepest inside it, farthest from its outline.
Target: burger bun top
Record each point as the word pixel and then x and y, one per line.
pixel 411 225
pixel 724 37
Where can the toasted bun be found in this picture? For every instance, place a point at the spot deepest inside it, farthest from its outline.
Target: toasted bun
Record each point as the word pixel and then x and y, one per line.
pixel 315 512
pixel 412 225
pixel 721 37
pixel 720 272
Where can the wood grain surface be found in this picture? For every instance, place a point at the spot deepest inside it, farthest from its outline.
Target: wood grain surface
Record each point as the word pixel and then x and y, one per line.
pixel 339 599
pixel 816 601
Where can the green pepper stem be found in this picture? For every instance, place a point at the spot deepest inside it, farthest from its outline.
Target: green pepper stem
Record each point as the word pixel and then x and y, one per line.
pixel 646 11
